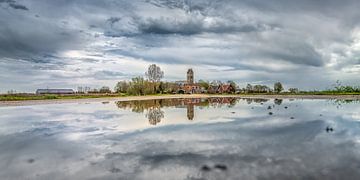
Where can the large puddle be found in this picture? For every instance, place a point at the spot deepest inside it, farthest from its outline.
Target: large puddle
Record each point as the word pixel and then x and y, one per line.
pixel 216 138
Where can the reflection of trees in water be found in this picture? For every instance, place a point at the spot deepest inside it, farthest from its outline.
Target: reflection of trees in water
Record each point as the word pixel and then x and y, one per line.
pixel 140 106
pixel 233 102
pixel 143 105
pixel 278 101
pixel 256 100
pixel 259 100
pixel 154 115
pixel 340 102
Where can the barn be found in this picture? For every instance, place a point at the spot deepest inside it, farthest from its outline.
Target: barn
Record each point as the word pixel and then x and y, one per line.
pixel 55 91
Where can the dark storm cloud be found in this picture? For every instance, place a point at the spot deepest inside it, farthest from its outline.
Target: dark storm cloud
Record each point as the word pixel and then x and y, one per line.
pixel 13 4
pixel 165 26
pixel 18 6
pixel 186 19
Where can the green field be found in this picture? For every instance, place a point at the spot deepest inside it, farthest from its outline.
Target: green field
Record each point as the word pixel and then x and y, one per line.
pixel 23 97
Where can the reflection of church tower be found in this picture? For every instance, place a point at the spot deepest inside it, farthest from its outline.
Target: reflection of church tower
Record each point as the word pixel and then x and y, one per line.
pixel 190 76
pixel 190 111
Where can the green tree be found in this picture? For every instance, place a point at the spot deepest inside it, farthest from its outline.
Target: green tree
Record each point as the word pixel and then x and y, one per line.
pixel 278 87
pixel 136 86
pixel 249 88
pixel 204 84
pixel 148 87
pixel 105 89
pixel 122 87
pixel 260 89
pixel 294 90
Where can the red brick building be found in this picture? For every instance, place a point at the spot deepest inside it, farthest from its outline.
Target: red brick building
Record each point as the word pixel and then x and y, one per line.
pixel 223 88
pixel 189 87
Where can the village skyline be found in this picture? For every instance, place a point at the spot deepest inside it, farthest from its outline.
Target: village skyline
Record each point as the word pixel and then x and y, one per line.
pixel 155 75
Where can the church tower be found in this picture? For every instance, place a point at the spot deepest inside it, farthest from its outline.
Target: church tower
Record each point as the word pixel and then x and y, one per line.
pixel 190 76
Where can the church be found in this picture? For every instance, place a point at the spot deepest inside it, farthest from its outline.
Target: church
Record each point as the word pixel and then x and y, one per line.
pixel 189 86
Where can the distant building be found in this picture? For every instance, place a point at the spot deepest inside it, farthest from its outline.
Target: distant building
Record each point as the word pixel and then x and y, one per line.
pixel 189 86
pixel 222 88
pixel 190 76
pixel 213 89
pixel 225 88
pixel 55 91
pixel 192 88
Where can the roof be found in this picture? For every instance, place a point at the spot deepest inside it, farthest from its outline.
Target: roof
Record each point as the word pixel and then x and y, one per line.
pixel 193 84
pixel 225 87
pixel 54 91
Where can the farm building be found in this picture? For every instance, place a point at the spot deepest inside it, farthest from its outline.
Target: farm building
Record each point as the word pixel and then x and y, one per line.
pixel 223 88
pixel 55 91
pixel 189 86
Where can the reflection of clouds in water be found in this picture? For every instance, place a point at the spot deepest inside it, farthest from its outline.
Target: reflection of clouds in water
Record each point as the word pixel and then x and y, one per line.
pixel 95 141
pixel 289 149
pixel 29 156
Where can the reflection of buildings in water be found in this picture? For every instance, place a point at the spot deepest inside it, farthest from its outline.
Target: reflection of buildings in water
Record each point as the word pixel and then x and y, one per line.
pixel 190 112
pixel 153 107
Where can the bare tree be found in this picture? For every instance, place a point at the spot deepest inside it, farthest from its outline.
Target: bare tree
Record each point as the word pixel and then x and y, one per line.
pixel 154 74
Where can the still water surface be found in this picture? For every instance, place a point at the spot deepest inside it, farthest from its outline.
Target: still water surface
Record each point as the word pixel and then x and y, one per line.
pixel 216 138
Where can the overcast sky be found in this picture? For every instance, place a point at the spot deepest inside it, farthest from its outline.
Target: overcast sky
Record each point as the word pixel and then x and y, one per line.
pixel 66 43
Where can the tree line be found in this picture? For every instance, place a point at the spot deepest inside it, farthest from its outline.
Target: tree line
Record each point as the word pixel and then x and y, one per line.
pixel 152 84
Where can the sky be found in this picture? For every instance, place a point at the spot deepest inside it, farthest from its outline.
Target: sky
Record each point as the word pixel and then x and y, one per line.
pixel 309 44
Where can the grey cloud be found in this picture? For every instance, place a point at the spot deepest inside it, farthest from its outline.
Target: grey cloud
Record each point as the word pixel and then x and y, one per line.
pixel 105 74
pixel 18 6
pixel 253 37
pixel 190 27
pixel 13 4
pixel 171 25
pixel 296 53
pixel 33 38
pixel 187 18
